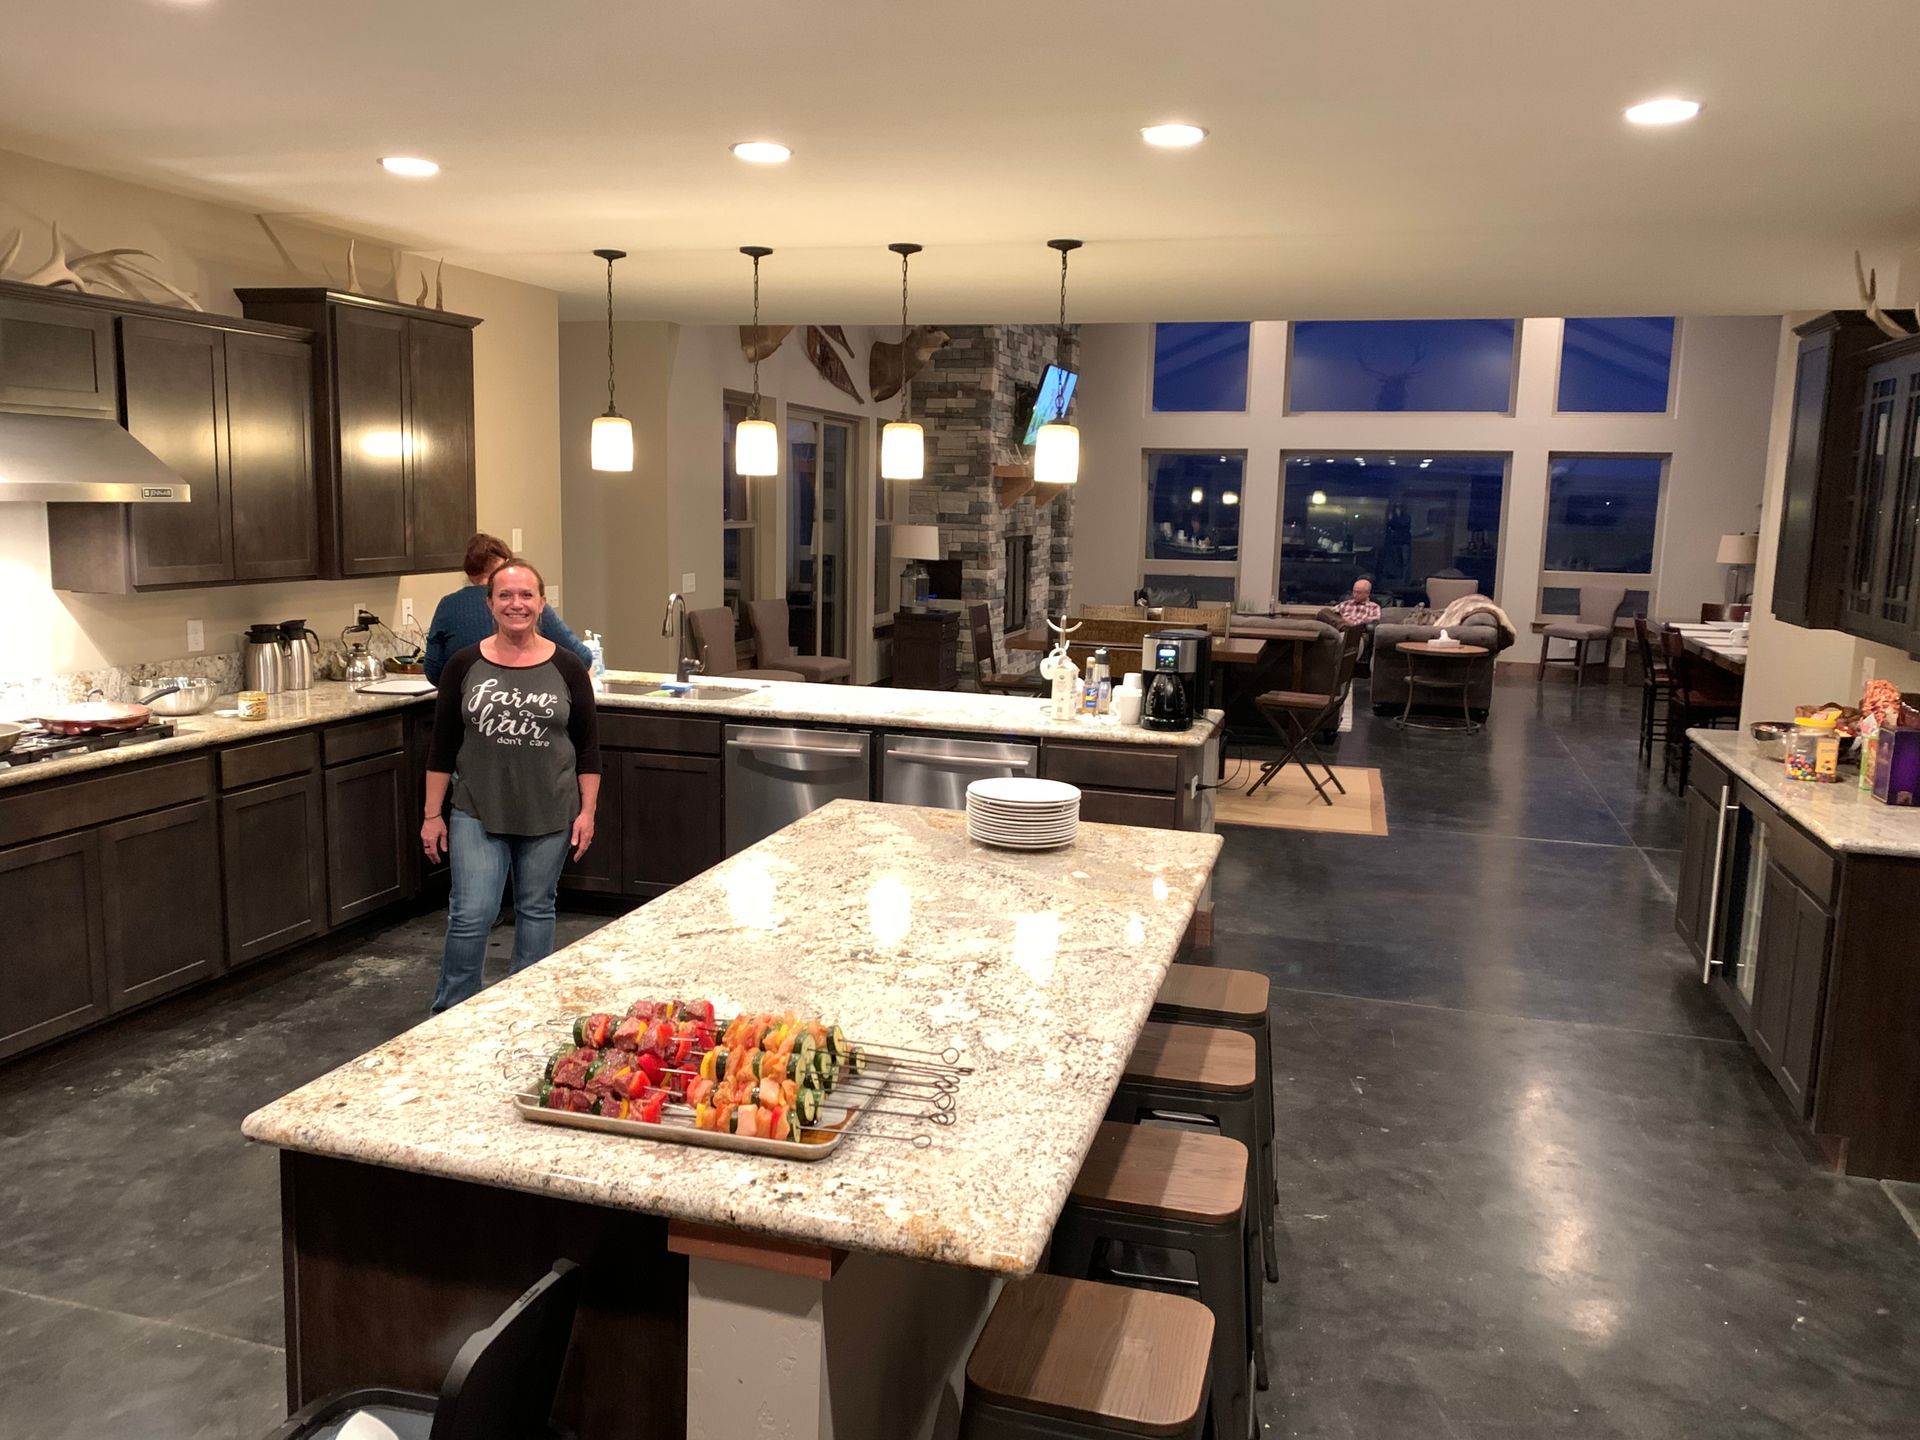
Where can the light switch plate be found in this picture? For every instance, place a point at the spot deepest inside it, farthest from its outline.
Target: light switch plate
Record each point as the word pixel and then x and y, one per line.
pixel 519 540
pixel 196 636
pixel 686 583
pixel 1866 672
pixel 553 596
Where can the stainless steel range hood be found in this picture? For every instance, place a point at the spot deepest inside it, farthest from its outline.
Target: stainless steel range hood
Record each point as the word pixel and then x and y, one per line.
pixel 60 457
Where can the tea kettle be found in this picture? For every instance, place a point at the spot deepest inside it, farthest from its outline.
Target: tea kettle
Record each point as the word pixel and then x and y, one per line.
pixel 363 668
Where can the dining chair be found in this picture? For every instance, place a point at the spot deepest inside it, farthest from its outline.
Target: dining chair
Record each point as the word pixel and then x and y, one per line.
pixel 773 646
pixel 1701 695
pixel 1711 613
pixel 713 642
pixel 987 673
pixel 1599 604
pixel 1656 688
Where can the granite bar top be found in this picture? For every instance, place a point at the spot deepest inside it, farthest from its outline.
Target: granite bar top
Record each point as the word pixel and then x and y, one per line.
pixel 768 703
pixel 959 711
pixel 1841 816
pixel 1039 967
pixel 327 702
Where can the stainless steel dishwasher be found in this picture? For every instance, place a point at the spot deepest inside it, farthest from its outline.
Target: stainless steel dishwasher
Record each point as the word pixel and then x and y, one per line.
pixel 776 774
pixel 936 769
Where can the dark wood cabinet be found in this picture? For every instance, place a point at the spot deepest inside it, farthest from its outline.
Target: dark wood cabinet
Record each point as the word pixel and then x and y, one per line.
pixel 160 889
pixel 672 819
pixel 600 871
pixel 369 836
pixel 53 969
pixel 1823 443
pixel 926 649
pixel 1695 895
pixel 393 402
pixel 230 411
pixel 56 358
pixel 1790 983
pixel 1878 603
pixel 273 861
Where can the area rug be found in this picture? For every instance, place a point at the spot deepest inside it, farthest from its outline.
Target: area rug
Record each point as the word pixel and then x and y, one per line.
pixel 1289 803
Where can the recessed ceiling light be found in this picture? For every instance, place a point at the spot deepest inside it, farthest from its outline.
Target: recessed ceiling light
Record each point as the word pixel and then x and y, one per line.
pixel 1668 111
pixel 409 165
pixel 762 152
pixel 1177 136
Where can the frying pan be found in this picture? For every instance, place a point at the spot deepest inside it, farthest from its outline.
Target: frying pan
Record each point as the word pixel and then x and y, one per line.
pixel 91 715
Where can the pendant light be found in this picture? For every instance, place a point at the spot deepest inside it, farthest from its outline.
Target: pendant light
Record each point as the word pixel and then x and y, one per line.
pixel 756 442
pixel 612 447
pixel 903 444
pixel 1056 449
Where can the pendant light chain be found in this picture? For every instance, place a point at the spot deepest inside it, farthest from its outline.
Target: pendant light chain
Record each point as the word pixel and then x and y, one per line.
pixel 610 409
pixel 753 407
pixel 905 384
pixel 1061 340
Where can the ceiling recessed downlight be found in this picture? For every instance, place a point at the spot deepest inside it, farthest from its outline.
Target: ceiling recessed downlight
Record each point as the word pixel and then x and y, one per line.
pixel 410 165
pixel 1666 111
pixel 1175 136
pixel 762 152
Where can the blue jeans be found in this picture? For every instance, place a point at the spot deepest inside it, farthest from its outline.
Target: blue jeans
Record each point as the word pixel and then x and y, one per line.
pixel 480 863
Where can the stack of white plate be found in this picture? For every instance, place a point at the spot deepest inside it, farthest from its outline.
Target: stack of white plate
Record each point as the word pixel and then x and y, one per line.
pixel 1021 814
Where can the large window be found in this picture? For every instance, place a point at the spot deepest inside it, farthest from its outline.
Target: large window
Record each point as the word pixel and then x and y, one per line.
pixel 1375 365
pixel 738 529
pixel 1602 513
pixel 1394 519
pixel 1201 366
pixel 885 581
pixel 1617 365
pixel 1193 506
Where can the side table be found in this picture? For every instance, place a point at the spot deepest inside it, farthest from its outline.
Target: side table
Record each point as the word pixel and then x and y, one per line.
pixel 1441 669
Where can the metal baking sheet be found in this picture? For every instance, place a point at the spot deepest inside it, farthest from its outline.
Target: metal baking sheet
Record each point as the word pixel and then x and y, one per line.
pixel 683 1132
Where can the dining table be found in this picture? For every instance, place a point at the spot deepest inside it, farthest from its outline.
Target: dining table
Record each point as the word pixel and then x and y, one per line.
pixel 1243 665
pixel 1722 644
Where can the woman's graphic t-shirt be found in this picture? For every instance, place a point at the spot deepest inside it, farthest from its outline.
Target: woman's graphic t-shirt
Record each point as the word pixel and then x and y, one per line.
pixel 516 739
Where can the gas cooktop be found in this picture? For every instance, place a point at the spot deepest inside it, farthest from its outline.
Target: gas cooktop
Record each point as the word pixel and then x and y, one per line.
pixel 39 744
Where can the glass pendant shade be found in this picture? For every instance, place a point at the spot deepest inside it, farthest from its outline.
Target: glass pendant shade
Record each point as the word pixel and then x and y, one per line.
pixel 756 448
pixel 903 451
pixel 1056 454
pixel 612 442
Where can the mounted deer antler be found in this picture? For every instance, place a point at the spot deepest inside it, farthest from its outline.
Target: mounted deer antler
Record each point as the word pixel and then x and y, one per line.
pixel 1393 383
pixel 1869 282
pixel 109 270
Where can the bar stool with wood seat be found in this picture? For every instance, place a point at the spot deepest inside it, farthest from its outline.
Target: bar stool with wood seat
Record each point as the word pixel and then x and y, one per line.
pixel 1186 1191
pixel 1236 999
pixel 1064 1359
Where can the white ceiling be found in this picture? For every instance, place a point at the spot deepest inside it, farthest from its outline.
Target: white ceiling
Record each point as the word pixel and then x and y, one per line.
pixel 1394 157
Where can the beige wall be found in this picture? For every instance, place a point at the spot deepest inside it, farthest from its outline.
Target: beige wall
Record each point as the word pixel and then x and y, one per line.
pixel 1788 665
pixel 210 249
pixel 1716 434
pixel 632 539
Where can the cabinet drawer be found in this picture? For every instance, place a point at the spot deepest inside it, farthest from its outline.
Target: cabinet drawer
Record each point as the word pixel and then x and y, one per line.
pixel 1118 767
pixel 1805 860
pixel 624 730
pixel 1130 807
pixel 49 809
pixel 268 760
pixel 342 743
pixel 1706 775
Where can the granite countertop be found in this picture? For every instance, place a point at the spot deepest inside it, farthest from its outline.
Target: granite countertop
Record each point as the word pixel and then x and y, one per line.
pixel 1842 816
pixel 950 710
pixel 328 701
pixel 881 705
pixel 1039 967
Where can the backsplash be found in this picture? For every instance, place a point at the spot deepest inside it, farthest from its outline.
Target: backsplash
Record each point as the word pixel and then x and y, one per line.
pixel 22 696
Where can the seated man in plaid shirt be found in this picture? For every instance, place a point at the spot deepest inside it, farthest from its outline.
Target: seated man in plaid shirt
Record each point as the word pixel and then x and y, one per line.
pixel 1358 608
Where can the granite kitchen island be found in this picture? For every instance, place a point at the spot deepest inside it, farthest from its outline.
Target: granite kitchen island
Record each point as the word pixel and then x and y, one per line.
pixel 728 1294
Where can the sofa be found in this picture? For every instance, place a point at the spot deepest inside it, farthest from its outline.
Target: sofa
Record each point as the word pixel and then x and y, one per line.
pixel 1389 681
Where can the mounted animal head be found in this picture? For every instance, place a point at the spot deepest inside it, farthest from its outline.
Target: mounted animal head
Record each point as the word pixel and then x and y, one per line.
pixel 894 363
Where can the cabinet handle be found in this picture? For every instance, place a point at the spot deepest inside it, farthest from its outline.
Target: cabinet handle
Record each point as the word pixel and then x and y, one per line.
pixel 1728 809
pixel 845 752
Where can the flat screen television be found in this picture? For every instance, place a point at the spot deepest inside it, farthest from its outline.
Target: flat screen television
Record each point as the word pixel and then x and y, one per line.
pixel 1056 394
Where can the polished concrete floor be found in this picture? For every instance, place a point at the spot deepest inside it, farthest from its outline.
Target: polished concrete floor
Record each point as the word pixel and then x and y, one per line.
pixel 1532 1183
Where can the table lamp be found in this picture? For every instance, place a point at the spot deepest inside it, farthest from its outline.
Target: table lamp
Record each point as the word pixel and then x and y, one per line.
pixel 915 544
pixel 1738 553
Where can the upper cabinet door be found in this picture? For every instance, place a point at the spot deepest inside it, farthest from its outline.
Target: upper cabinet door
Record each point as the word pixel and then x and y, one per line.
pixel 373 517
pixel 177 407
pixel 440 449
pixel 57 358
pixel 275 494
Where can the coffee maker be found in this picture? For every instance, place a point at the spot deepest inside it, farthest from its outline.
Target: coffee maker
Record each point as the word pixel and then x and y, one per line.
pixel 1186 655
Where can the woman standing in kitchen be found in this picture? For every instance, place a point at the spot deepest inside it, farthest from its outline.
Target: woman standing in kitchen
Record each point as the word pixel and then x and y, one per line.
pixel 462 617
pixel 512 778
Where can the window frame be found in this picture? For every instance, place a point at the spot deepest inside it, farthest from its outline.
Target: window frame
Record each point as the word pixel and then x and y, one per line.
pixel 1146 567
pixel 1648 579
pixel 1288 410
pixel 733 408
pixel 883 504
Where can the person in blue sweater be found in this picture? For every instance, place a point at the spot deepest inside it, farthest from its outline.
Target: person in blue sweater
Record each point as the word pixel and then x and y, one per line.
pixel 462 618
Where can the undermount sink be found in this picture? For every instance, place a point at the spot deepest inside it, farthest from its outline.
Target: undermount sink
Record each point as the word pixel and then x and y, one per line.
pixel 654 690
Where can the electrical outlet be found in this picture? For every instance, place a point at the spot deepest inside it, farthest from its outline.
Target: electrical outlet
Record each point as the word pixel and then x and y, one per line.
pixel 1867 668
pixel 553 596
pixel 686 583
pixel 196 636
pixel 518 541
pixel 406 610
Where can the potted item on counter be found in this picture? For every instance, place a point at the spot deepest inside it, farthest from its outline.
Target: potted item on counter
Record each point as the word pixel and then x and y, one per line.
pixel 1896 765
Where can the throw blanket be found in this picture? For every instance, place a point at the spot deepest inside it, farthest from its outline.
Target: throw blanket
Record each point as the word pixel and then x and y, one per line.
pixel 1463 610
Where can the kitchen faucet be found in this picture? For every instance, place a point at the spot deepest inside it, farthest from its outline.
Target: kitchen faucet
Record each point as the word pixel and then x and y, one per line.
pixel 674 625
